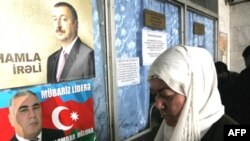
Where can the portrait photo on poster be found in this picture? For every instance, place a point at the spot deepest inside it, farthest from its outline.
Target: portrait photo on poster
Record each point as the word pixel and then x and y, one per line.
pixel 75 59
pixel 53 42
pixel 25 116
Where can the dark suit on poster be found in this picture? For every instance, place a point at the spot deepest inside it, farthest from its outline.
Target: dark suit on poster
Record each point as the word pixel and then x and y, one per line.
pixel 79 65
pixel 47 135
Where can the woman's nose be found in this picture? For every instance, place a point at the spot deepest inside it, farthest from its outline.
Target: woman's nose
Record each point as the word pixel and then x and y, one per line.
pixel 159 103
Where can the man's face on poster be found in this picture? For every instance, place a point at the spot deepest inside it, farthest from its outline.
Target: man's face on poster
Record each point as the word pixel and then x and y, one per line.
pixel 65 25
pixel 25 116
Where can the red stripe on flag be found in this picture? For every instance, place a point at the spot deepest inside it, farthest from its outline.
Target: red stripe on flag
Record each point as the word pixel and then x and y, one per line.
pixel 6 130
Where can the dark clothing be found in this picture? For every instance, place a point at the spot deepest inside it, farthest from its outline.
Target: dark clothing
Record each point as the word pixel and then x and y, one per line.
pixel 226 84
pixel 241 99
pixel 244 81
pixel 227 91
pixel 48 135
pixel 216 132
pixel 79 65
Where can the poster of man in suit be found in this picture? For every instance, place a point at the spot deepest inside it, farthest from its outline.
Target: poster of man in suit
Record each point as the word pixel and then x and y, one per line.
pixel 34 35
pixel 60 111
pixel 25 116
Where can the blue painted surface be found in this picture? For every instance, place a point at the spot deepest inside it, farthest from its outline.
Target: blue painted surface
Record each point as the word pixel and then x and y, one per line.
pixel 133 100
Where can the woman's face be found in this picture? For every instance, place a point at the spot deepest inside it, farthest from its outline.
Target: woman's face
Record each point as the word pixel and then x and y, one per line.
pixel 167 101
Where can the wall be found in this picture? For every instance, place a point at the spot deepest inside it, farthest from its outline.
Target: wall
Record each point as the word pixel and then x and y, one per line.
pixel 224 28
pixel 239 38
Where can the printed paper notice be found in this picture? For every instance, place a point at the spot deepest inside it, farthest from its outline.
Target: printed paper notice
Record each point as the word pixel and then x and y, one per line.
pixel 128 71
pixel 153 44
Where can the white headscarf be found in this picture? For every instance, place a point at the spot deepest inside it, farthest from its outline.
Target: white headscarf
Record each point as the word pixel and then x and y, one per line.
pixel 189 71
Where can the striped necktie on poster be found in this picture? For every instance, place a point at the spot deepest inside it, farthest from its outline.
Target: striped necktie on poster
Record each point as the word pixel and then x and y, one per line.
pixel 62 61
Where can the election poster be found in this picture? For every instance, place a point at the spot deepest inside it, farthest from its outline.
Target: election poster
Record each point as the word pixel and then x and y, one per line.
pixel 65 111
pixel 31 31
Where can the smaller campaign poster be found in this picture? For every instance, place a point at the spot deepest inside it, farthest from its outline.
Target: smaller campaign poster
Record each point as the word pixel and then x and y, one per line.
pixel 66 110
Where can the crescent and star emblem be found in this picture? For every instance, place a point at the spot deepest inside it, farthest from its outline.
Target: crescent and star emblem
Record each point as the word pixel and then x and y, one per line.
pixel 55 118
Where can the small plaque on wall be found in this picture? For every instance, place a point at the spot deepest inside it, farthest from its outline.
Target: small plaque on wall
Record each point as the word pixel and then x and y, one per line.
pixel 198 28
pixel 154 20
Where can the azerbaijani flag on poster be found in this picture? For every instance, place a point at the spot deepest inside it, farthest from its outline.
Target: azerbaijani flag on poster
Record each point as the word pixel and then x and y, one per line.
pixel 65 106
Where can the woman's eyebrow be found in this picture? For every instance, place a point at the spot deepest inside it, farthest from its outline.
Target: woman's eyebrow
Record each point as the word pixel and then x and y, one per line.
pixel 158 91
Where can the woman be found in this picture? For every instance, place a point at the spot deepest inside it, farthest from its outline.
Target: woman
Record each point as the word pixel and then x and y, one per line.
pixel 184 82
